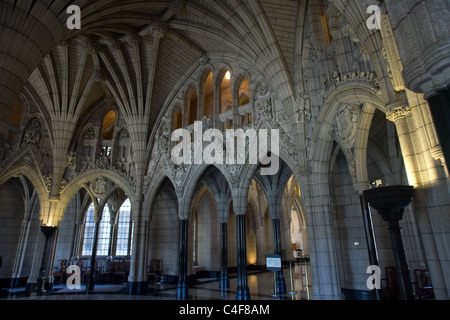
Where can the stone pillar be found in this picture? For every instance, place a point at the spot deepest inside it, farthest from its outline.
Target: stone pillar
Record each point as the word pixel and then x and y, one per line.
pixel 224 280
pixel 182 286
pixel 137 279
pixel 421 33
pixel 432 201
pixel 280 282
pixel 243 292
pixel 113 232
pixel 22 245
pixel 321 238
pixel 440 110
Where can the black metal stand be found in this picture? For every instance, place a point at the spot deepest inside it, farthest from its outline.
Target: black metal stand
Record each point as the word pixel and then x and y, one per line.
pixel 390 202
pixel 91 282
pixel 370 238
pixel 48 232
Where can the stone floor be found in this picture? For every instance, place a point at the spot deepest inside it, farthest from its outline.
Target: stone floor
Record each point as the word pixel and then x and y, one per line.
pixel 261 286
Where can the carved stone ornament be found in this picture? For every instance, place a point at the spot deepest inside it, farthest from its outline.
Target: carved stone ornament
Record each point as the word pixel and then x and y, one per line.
pixel 304 108
pixel 99 74
pixel 234 175
pixel 89 133
pixel 102 162
pixel 346 123
pixel 264 109
pixel 124 134
pixel 89 45
pixel 158 28
pixel 176 6
pixel 336 80
pixel 204 59
pixel 100 187
pixel 33 132
pixel 263 89
pixel 396 113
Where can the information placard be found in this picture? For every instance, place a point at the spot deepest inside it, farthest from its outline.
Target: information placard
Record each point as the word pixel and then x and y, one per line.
pixel 273 262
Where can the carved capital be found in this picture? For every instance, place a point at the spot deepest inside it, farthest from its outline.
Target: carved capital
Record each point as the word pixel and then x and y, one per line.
pixel 133 40
pixel 90 46
pixel 158 28
pixel 176 6
pixel 204 59
pixel 396 112
pixel 99 75
pixel 113 44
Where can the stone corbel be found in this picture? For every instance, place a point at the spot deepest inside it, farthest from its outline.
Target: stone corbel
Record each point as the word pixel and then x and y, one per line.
pixel 397 111
pixel 437 154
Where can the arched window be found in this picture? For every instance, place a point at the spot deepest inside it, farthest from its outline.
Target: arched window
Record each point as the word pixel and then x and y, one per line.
pixel 177 118
pixel 208 96
pixel 326 29
pixel 244 100
pixel 15 117
pixel 89 228
pixel 124 230
pixel 104 233
pixel 226 100
pixel 192 106
pixel 107 132
pixel 244 93
pixel 108 125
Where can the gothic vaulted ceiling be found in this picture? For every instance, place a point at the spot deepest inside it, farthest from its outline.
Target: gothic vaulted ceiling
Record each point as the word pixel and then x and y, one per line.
pixel 135 52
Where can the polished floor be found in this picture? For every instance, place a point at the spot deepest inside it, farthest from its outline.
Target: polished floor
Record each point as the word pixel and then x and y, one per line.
pixel 261 286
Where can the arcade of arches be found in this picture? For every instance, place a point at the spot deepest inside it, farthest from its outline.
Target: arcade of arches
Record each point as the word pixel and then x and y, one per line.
pixel 86 175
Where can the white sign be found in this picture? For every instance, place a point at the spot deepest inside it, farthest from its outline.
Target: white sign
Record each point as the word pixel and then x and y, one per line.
pixel 273 262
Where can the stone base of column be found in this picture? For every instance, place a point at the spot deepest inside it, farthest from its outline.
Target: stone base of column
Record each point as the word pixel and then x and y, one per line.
pixel 280 285
pixel 243 293
pixel 29 288
pixel 224 282
pixel 137 288
pixel 182 290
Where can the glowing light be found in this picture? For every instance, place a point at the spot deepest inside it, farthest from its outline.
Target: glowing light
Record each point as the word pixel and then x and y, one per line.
pixel 228 75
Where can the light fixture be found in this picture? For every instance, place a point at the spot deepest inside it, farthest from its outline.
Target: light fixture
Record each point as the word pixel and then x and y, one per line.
pixel 228 75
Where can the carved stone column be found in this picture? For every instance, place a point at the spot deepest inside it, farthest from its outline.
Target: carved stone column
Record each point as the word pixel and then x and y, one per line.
pixel 182 286
pixel 423 49
pixel 224 280
pixel 398 113
pixel 280 282
pixel 243 292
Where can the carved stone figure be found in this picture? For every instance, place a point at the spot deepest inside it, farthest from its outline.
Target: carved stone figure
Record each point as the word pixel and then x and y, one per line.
pixel 346 123
pixel 33 132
